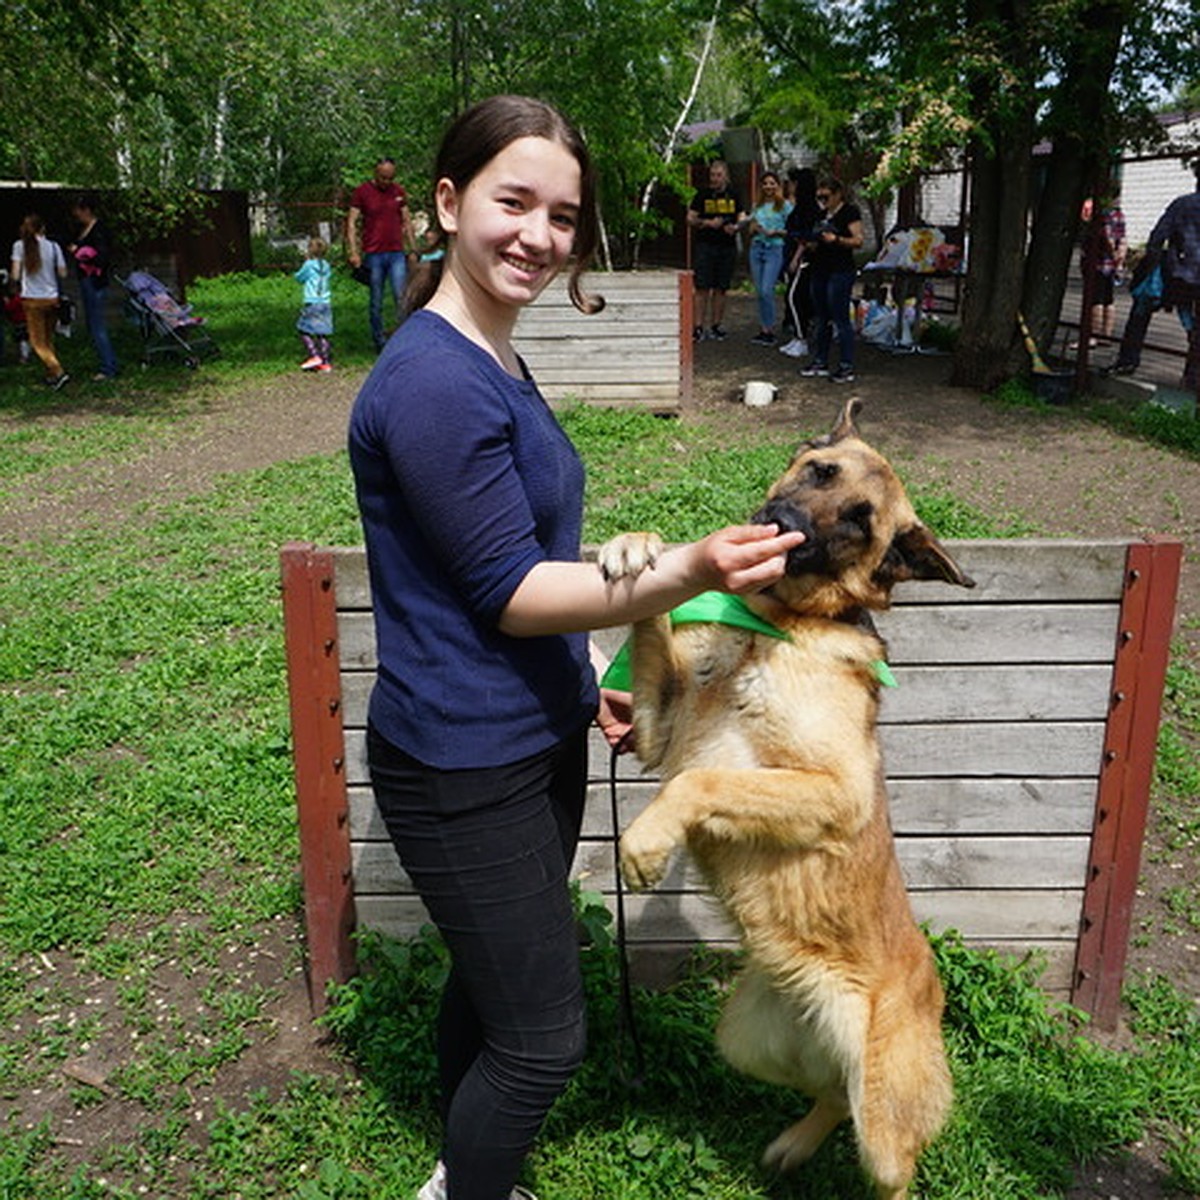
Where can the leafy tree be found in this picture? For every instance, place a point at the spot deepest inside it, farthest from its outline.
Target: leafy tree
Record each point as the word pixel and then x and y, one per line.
pixel 905 87
pixel 161 97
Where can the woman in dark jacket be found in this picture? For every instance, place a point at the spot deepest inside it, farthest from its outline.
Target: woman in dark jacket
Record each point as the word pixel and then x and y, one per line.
pixel 806 212
pixel 92 254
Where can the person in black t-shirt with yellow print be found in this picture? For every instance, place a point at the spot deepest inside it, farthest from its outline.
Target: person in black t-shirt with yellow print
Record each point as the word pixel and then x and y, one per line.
pixel 714 217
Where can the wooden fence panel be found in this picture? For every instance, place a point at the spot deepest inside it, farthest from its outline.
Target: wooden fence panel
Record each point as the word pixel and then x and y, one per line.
pixel 1017 747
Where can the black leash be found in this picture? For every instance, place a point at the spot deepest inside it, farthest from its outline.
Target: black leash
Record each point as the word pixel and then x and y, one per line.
pixel 626 1022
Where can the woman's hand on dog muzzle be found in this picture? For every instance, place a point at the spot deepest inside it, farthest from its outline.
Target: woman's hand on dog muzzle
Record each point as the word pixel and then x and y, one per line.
pixel 743 558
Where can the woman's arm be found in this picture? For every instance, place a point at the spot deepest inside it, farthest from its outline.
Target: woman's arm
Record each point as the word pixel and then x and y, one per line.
pixel 562 597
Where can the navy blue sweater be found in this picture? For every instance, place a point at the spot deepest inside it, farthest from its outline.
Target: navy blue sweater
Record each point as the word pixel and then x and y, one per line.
pixel 465 481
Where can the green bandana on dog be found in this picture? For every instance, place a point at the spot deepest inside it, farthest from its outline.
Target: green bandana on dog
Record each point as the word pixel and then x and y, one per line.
pixel 718 608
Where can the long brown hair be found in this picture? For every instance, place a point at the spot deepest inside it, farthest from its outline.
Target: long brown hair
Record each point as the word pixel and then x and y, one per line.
pixel 780 199
pixel 31 228
pixel 474 139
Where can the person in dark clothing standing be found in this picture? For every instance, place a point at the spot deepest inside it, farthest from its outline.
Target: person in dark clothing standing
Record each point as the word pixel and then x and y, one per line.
pixel 92 253
pixel 806 212
pixel 714 215
pixel 838 235
pixel 1174 248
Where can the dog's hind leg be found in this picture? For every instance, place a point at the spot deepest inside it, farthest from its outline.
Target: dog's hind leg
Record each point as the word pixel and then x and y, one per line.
pixel 760 1034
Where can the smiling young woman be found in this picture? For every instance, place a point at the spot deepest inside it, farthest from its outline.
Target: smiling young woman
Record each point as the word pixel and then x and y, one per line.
pixel 471 498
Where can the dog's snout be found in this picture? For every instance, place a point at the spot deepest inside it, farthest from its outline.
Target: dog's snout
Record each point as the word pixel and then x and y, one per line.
pixel 786 516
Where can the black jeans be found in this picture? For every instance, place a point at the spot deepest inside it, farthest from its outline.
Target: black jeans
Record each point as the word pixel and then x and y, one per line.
pixel 489 851
pixel 831 311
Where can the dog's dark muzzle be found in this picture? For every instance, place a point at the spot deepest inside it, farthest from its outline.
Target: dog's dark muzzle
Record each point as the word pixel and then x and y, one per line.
pixel 810 556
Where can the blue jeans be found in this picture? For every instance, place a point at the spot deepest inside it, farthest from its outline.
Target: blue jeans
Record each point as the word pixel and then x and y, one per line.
pixel 489 851
pixel 831 310
pixel 93 299
pixel 390 266
pixel 766 261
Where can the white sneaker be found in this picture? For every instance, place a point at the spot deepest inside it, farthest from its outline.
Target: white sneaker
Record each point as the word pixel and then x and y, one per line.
pixel 435 1187
pixel 796 348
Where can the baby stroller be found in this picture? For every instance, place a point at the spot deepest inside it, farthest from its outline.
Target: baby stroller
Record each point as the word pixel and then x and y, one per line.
pixel 167 326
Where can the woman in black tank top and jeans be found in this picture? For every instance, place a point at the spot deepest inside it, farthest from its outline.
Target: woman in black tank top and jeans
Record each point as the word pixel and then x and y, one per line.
pixel 833 270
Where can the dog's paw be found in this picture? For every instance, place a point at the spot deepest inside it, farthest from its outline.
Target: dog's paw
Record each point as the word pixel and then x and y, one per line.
pixel 629 554
pixel 786 1153
pixel 645 852
pixel 799 1142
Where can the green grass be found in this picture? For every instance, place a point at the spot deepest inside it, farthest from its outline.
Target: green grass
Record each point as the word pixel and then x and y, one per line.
pixel 642 475
pixel 145 784
pixel 252 320
pixel 1147 422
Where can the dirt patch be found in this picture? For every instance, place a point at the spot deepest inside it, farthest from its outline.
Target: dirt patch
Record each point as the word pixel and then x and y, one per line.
pixel 1053 472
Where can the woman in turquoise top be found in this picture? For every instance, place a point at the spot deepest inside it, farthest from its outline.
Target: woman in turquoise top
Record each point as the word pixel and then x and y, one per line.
pixel 315 323
pixel 768 224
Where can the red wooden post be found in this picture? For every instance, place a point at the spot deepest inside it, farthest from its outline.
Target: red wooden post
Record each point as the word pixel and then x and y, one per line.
pixel 687 303
pixel 1126 773
pixel 319 756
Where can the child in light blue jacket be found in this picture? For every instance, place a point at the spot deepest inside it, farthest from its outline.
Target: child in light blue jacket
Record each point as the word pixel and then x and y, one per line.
pixel 315 323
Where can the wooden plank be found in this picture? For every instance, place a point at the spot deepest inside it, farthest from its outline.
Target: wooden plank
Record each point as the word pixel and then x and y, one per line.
pixel 1031 804
pixel 1000 807
pixel 609 284
pixel 1025 692
pixel 1010 633
pixel 616 377
pixel 1019 805
pixel 620 360
pixel 356 632
pixel 928 864
pixel 1025 920
pixel 926 636
pixel 1016 915
pixel 624 316
pixel 1053 748
pixel 658 396
pixel 350 572
pixel 1041 692
pixel 1034 569
pixel 935 864
pixel 654 344
pixel 1026 570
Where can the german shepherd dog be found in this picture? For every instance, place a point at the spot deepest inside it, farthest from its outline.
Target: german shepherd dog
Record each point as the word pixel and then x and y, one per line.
pixel 772 778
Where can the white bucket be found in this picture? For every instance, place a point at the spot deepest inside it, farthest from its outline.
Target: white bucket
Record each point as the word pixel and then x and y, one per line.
pixel 758 393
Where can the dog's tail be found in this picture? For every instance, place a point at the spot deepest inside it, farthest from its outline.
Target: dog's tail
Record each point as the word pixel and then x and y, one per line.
pixel 906 1090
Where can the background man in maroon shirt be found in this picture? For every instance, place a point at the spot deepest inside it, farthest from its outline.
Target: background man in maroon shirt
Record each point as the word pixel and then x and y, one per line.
pixel 381 205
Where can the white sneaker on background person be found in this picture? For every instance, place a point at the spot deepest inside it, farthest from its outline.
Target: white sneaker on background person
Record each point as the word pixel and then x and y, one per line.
pixel 435 1187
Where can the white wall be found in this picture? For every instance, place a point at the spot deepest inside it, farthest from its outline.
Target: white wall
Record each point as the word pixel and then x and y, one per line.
pixel 1146 189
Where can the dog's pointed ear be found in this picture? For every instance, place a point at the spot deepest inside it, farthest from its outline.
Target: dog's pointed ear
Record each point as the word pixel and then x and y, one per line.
pixel 845 423
pixel 843 428
pixel 916 554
